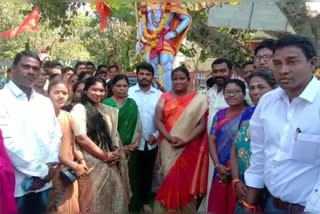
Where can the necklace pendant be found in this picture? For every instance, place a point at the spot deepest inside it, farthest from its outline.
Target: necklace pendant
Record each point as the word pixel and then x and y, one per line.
pixel 156 23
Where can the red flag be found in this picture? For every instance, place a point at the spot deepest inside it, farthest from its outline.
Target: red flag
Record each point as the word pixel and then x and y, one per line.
pixel 10 33
pixel 29 24
pixel 104 12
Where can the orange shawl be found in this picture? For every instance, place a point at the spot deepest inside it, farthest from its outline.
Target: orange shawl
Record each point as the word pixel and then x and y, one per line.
pixel 185 169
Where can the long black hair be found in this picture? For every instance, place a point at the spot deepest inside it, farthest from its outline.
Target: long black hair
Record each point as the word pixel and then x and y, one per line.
pixel 119 77
pixel 83 74
pixel 97 129
pixel 76 85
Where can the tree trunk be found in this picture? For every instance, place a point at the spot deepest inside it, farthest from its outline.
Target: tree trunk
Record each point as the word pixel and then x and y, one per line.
pixel 302 19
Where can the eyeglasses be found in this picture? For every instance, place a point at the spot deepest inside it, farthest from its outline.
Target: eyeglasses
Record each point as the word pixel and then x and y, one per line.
pixel 264 57
pixel 232 93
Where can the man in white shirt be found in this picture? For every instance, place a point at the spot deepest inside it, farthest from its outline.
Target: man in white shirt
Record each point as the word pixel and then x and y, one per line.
pixel 31 132
pixel 221 73
pixel 285 132
pixel 146 98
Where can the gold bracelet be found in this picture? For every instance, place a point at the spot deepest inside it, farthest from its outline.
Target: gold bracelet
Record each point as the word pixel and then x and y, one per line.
pixel 254 208
pixel 234 183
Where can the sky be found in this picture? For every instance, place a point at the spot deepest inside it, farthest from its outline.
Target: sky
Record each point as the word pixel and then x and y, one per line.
pixel 314 5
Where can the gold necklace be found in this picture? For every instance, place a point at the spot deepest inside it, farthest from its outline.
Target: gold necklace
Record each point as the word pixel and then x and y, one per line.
pixel 153 38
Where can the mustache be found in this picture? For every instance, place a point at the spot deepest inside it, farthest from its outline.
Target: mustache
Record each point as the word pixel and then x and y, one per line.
pixel 219 78
pixel 30 76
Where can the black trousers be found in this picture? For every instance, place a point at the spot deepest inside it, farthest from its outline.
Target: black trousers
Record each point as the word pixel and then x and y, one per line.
pixel 142 182
pixel 33 203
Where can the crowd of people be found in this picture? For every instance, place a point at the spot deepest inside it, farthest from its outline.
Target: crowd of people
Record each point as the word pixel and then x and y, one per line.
pixel 82 140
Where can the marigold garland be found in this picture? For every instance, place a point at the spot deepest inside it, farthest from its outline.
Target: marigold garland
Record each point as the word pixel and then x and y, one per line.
pixel 153 38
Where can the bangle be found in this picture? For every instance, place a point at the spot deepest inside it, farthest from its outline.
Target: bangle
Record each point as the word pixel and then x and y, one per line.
pixel 254 208
pixel 216 166
pixel 234 182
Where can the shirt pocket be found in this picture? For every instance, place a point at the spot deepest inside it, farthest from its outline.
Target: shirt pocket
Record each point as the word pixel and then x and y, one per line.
pixel 307 148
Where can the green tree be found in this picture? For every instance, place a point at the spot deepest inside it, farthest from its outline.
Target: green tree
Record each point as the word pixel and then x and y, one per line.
pixel 219 42
pixel 69 33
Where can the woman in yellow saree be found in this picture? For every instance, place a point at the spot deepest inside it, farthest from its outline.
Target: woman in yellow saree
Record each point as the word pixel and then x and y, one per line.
pixel 181 120
pixel 64 197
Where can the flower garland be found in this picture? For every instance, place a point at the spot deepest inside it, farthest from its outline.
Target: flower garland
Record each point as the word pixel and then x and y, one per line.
pixel 153 38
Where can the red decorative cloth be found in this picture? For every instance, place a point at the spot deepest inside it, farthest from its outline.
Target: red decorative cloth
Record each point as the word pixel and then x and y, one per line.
pixel 104 11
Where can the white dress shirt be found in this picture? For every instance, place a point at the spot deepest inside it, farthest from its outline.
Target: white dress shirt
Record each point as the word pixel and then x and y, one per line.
pixel 31 132
pixel 147 103
pixel 285 144
pixel 216 102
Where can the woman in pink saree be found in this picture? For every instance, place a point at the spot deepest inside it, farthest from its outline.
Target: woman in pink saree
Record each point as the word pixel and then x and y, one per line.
pixel 7 182
pixel 183 145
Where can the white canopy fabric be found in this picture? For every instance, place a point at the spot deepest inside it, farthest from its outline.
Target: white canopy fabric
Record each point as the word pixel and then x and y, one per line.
pixel 250 14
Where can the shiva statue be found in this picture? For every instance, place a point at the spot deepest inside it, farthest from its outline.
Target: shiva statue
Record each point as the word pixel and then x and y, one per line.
pixel 162 27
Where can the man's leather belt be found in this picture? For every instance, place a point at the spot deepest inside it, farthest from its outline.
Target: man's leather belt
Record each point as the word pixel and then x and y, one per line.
pixel 282 205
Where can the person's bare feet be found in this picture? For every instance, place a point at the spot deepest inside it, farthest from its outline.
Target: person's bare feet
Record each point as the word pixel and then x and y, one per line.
pixel 147 208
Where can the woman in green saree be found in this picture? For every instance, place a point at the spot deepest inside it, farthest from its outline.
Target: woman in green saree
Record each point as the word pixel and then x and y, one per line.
pixel 260 82
pixel 129 126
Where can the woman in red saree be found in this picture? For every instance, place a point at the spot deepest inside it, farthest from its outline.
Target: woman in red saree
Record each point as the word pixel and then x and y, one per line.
pixel 7 182
pixel 183 147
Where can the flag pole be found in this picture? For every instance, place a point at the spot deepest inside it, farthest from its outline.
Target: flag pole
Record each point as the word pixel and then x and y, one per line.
pixel 137 19
pixel 137 27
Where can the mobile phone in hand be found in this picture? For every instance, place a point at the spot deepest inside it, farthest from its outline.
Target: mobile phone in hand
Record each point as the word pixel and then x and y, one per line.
pixel 27 184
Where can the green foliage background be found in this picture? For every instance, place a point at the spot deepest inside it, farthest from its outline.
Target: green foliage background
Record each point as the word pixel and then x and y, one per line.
pixel 68 32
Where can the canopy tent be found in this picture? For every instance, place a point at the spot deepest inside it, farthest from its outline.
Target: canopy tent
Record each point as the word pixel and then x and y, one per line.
pixel 250 14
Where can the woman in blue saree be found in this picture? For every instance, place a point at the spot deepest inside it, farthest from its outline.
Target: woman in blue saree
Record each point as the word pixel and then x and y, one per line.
pixel 222 198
